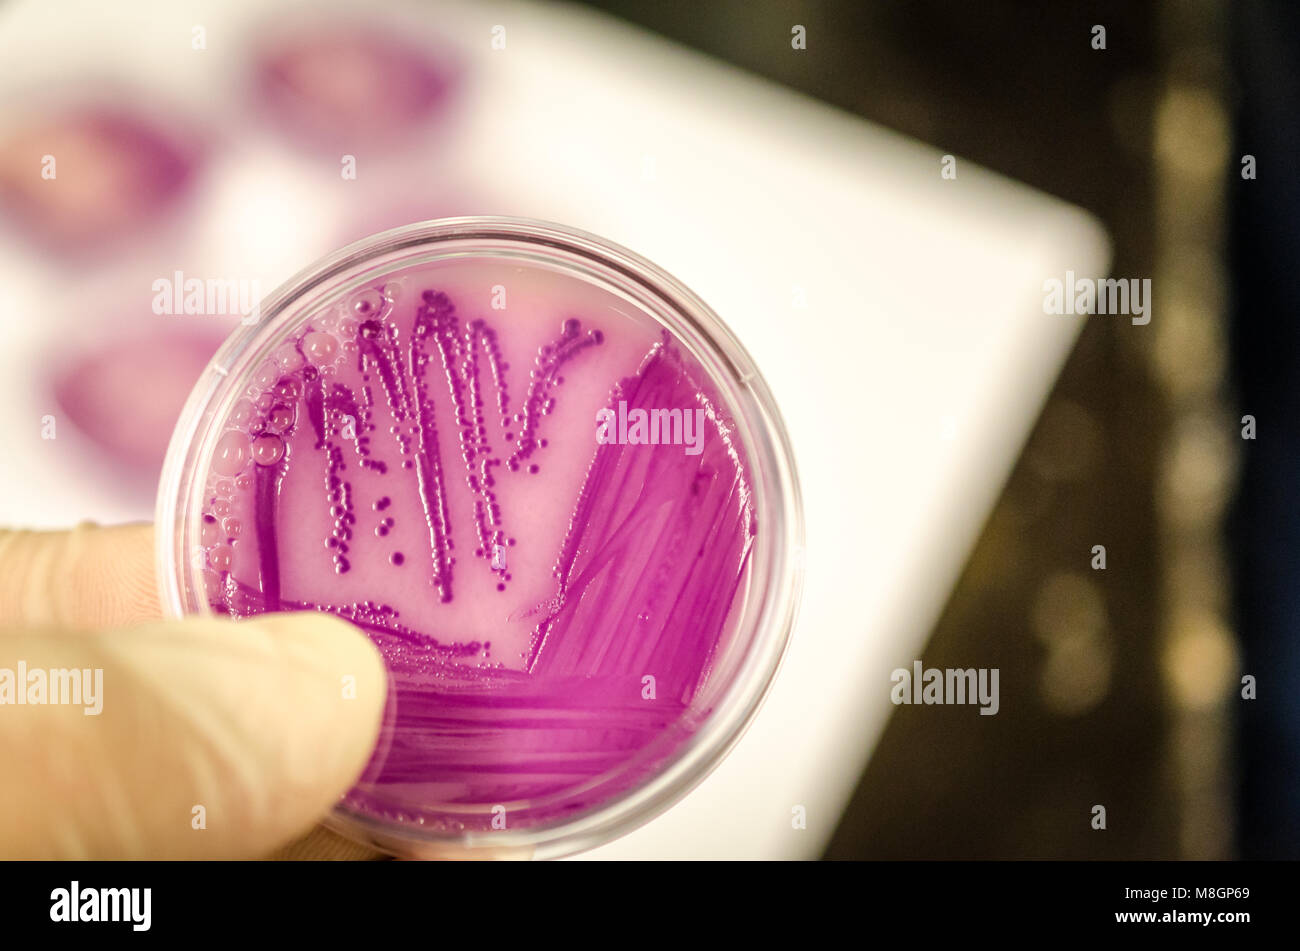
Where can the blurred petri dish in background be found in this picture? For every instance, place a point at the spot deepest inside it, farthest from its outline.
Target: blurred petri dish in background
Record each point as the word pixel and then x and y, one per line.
pixel 125 395
pixel 81 177
pixel 348 86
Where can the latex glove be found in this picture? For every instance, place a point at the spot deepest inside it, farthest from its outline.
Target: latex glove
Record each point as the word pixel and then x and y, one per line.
pixel 247 720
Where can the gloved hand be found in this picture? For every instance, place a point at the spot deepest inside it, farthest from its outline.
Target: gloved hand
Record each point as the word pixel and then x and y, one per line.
pixel 245 725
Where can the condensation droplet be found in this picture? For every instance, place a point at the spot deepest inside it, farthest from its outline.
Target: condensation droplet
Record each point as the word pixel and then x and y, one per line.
pixel 268 449
pixel 320 348
pixel 280 418
pixel 231 454
pixel 266 375
pixel 242 414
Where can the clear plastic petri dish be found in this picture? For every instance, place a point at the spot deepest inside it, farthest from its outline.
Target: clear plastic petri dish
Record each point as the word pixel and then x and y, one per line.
pixel 546 481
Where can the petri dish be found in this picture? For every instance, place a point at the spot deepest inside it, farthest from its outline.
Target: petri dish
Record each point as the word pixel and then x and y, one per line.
pixel 546 481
